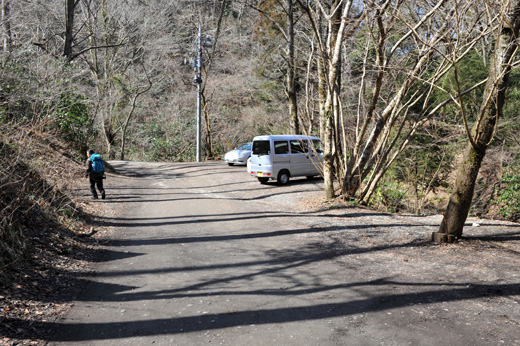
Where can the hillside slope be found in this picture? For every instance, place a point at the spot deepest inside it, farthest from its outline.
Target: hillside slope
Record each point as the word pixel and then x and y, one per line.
pixel 43 230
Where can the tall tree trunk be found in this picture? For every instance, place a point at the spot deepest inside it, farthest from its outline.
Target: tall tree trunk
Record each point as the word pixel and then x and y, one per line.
pixel 209 132
pixel 7 35
pixel 109 138
pixel 482 132
pixel 291 83
pixel 329 152
pixel 69 25
pixel 325 125
pixel 329 61
pixel 329 77
pixel 206 69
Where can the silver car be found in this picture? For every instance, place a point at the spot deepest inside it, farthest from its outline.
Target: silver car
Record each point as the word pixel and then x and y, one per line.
pixel 239 155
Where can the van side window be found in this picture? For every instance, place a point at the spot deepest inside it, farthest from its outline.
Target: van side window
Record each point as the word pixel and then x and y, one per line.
pixel 261 147
pixel 299 146
pixel 281 147
pixel 318 147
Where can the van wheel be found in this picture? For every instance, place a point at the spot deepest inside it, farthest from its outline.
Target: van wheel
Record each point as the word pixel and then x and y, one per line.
pixel 263 180
pixel 283 177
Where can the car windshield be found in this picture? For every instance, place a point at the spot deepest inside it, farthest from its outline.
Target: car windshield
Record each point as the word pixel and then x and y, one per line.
pixel 246 146
pixel 261 147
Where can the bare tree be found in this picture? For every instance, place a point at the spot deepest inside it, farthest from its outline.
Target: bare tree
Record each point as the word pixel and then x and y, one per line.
pixel 482 133
pixel 206 70
pixel 114 64
pixel 273 12
pixel 373 143
pixel 408 50
pixel 337 16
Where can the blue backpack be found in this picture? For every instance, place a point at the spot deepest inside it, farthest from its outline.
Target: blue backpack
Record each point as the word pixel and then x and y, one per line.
pixel 97 163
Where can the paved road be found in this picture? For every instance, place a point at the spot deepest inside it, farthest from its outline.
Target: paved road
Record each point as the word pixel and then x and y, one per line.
pixel 202 254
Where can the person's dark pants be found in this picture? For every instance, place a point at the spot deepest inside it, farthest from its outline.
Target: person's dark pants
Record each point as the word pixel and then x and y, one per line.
pixel 97 181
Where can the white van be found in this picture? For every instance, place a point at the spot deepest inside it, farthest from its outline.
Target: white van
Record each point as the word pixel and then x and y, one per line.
pixel 285 156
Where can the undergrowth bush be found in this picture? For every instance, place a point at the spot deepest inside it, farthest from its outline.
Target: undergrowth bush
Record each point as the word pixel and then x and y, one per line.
pixel 166 142
pixel 73 120
pixel 390 197
pixel 508 198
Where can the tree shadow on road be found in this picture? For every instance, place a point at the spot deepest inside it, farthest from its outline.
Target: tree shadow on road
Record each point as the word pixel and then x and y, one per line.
pixel 231 278
pixel 178 325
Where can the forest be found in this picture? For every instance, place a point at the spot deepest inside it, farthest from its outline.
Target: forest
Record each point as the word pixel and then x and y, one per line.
pixel 415 101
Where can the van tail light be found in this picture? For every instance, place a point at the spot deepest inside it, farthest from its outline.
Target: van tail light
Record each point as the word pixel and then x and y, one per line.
pixel 263 174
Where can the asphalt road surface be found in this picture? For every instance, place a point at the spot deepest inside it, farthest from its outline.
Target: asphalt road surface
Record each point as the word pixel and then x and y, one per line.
pixel 202 254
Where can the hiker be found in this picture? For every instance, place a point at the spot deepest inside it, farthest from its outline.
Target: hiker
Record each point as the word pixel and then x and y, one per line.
pixel 96 173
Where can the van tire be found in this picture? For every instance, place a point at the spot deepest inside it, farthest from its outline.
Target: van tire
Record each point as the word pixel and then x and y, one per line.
pixel 263 180
pixel 283 177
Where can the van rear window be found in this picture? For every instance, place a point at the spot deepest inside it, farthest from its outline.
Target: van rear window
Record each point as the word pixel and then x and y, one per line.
pixel 261 148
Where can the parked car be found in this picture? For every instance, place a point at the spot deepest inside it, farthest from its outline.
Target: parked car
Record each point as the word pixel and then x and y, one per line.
pixel 239 155
pixel 285 156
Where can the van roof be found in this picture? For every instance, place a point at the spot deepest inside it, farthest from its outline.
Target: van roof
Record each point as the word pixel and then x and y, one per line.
pixel 283 137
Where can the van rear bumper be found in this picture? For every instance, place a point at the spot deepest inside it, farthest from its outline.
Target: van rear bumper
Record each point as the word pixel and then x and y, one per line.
pixel 262 175
pixel 261 171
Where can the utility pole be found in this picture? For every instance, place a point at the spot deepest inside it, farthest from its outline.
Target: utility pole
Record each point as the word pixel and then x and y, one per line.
pixel 198 80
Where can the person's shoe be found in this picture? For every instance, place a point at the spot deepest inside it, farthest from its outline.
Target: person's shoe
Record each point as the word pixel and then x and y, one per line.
pixel 95 197
pixel 103 195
